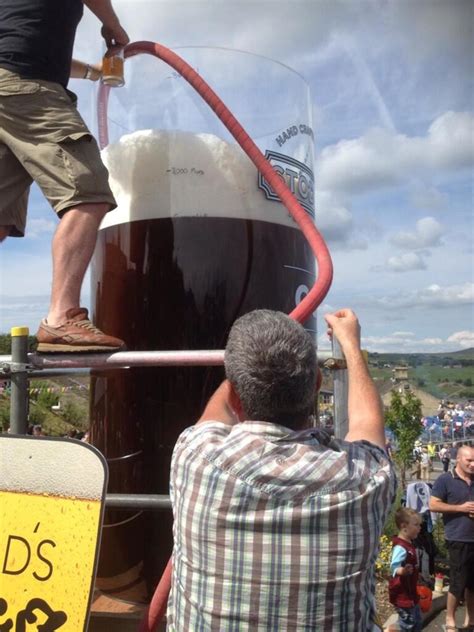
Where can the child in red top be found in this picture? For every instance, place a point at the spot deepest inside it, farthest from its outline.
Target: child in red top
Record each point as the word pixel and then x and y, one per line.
pixel 404 570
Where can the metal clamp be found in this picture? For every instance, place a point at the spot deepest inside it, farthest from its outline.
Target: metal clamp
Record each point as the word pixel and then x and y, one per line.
pixel 16 367
pixel 335 364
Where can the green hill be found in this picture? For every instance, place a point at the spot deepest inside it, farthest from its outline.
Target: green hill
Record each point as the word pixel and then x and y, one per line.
pixel 443 375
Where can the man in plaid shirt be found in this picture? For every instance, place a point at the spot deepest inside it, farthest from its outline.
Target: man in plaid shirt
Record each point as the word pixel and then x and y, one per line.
pixel 276 526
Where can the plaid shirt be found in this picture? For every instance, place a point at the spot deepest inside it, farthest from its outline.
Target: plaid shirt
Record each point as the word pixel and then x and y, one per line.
pixel 275 530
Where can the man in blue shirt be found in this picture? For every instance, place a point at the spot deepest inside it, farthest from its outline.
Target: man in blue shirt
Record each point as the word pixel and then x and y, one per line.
pixel 453 496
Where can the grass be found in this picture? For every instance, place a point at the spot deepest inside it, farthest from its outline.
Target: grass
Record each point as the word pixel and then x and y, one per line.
pixel 74 411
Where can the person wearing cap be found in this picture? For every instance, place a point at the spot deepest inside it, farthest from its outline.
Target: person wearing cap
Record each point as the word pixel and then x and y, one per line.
pixel 43 139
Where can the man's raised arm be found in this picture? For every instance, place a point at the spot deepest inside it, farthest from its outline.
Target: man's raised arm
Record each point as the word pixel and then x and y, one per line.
pixel 364 405
pixel 224 406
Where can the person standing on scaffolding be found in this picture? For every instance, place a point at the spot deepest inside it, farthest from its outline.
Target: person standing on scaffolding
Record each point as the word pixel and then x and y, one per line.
pixel 276 525
pixel 44 139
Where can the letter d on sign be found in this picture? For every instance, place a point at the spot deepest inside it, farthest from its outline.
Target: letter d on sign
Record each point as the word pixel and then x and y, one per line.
pixel 16 556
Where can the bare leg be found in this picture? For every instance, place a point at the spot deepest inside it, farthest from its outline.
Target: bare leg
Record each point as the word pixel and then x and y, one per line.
pixel 72 248
pixel 451 606
pixel 469 600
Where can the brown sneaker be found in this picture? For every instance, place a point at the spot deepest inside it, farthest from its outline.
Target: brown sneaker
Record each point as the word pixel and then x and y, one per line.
pixel 76 335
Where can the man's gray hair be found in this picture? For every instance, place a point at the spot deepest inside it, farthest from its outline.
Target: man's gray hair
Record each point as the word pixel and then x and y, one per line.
pixel 270 360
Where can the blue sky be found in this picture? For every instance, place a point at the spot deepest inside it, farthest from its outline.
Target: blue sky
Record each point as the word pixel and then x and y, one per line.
pixel 392 97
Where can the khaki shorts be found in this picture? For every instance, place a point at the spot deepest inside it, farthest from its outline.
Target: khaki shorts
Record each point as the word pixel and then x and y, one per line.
pixel 44 139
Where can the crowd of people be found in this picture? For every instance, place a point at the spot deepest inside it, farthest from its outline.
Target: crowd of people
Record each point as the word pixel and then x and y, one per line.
pixel 37 430
pixel 451 421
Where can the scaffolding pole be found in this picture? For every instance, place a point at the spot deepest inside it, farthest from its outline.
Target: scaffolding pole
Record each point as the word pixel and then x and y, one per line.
pixel 341 417
pixel 19 381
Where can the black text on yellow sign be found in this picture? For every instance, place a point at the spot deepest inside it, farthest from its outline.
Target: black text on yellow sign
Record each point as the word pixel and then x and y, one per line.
pixel 51 506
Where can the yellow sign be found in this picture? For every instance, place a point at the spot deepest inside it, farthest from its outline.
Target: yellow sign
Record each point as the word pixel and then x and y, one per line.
pixel 51 510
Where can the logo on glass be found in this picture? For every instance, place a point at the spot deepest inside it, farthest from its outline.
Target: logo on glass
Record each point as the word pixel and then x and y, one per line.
pixel 296 175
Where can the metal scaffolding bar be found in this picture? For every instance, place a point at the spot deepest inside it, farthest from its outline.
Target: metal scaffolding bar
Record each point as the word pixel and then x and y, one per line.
pixel 138 501
pixel 125 359
pixel 21 365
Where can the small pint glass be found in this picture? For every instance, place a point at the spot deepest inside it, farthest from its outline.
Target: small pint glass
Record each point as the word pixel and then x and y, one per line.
pixel 113 69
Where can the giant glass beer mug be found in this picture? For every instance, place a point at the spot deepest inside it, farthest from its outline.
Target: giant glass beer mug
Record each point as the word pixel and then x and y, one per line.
pixel 198 239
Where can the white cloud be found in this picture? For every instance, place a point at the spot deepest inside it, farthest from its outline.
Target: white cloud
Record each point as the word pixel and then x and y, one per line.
pixel 396 342
pixel 465 339
pixel 426 234
pixel 431 296
pixel 406 262
pixel 336 224
pixel 399 343
pixel 250 25
pixel 381 158
pixel 333 219
pixel 408 342
pixel 431 341
pixel 449 143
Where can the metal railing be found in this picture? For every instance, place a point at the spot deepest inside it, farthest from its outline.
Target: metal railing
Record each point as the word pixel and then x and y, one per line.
pixel 21 365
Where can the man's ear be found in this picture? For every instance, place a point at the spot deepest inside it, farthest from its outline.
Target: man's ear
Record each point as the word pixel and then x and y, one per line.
pixel 236 403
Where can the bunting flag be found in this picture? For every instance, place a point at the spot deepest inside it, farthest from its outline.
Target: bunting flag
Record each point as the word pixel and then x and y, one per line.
pixel 57 389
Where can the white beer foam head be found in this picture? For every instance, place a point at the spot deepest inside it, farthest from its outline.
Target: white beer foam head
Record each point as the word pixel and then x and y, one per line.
pixel 157 174
pixel 46 466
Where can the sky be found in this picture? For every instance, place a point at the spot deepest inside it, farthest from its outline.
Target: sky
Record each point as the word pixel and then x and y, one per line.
pixel 391 84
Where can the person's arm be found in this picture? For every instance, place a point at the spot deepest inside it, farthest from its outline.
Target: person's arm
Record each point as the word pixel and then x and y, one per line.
pixel 221 406
pixel 364 404
pixel 397 563
pixel 81 70
pixel 112 31
pixel 437 505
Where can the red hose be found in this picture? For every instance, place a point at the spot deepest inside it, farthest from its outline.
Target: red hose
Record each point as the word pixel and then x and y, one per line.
pixel 316 294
